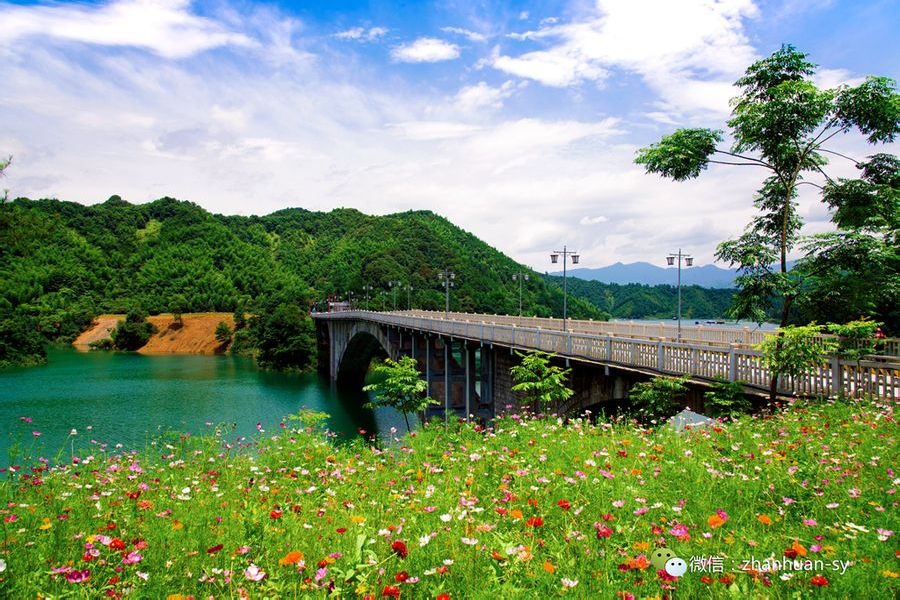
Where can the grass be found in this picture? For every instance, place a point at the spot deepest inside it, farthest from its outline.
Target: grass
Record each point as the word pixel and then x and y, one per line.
pixel 531 507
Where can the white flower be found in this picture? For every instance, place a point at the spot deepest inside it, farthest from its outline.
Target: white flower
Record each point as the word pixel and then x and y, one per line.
pixel 73 432
pixel 2 565
pixel 446 518
pixel 569 583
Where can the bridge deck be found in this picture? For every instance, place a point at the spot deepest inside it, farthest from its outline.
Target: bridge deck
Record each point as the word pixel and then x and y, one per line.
pixel 593 342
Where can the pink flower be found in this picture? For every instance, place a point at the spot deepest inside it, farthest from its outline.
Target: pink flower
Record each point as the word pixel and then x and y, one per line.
pixel 132 558
pixel 854 492
pixel 602 530
pixel 679 531
pixel 243 549
pixel 254 573
pixel 321 574
pixel 787 501
pixel 810 522
pixel 76 576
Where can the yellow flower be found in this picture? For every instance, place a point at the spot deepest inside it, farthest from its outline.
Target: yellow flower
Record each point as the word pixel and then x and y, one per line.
pixel 177 525
pixel 892 574
pixel 642 546
pixel 357 519
pixel 47 524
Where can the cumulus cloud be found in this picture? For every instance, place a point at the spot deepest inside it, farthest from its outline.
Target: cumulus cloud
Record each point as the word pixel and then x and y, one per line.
pixel 165 27
pixel 689 52
pixel 592 220
pixel 425 50
pixel 481 96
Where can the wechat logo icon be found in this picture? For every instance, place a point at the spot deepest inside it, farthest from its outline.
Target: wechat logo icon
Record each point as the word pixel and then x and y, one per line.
pixel 664 559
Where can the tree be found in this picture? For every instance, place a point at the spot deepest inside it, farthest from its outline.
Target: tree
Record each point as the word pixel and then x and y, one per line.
pixel 781 123
pixel 223 332
pixel 795 350
pixel 284 335
pixel 540 382
pixel 655 399
pixel 399 386
pixel 177 305
pixel 134 332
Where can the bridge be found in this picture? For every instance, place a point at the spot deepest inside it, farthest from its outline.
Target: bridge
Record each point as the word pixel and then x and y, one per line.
pixel 465 358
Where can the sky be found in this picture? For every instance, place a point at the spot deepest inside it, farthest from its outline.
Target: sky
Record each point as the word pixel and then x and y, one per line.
pixel 518 121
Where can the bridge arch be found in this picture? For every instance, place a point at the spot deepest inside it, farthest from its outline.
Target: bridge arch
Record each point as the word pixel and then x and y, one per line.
pixel 356 357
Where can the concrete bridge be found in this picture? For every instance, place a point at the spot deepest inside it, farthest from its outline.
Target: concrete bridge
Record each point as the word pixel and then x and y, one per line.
pixel 465 358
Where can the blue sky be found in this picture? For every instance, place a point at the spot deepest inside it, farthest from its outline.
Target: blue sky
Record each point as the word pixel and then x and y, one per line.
pixel 516 120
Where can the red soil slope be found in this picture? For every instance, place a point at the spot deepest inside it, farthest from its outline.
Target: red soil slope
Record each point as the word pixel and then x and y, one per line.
pixel 196 334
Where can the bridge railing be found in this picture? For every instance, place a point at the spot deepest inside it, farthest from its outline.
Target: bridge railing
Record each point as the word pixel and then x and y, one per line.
pixel 704 361
pixel 747 337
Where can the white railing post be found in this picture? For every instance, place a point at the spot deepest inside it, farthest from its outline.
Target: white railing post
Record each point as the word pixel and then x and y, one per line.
pixel 837 385
pixel 660 356
pixel 732 363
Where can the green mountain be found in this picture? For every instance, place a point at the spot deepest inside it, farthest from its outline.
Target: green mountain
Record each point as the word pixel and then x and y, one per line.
pixel 639 301
pixel 61 263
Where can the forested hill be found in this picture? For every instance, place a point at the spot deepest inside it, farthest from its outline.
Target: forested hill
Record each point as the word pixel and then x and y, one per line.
pixel 61 263
pixel 638 301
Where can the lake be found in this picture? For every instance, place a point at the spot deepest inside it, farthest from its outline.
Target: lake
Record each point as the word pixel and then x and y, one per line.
pixel 129 399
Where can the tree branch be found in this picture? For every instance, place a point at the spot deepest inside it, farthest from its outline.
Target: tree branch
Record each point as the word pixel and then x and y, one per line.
pixel 855 162
pixel 810 183
pixel 749 164
pixel 742 157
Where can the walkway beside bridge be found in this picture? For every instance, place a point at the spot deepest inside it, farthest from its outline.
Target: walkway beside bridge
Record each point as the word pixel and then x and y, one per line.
pixel 718 353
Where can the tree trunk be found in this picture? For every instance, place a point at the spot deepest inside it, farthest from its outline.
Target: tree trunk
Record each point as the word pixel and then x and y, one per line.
pixel 785 310
pixel 406 418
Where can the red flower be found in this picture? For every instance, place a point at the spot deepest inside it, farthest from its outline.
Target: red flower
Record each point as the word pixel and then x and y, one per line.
pixel 706 579
pixel 275 513
pixel 400 548
pixel 790 553
pixel 535 522
pixel 117 544
pixel 401 576
pixel 819 580
pixel 603 531
pixel 214 549
pixel 564 504
pixel 443 596
pixel 390 591
pixel 341 529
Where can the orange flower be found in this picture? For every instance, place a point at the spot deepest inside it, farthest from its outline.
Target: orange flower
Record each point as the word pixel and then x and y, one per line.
pixel 715 521
pixel 516 514
pixel 798 548
pixel 548 566
pixel 291 558
pixel 638 563
pixel 764 519
pixel 535 522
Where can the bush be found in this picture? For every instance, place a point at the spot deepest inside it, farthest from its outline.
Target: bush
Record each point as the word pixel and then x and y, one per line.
pixel 104 344
pixel 223 332
pixel 655 399
pixel 134 332
pixel 726 398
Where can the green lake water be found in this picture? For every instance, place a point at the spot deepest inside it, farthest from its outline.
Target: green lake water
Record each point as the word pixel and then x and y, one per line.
pixel 129 399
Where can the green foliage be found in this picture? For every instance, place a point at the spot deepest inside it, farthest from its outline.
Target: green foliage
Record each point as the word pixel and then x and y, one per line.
pixel 104 344
pixel 639 301
pixel 726 398
pixel 655 399
pixel 795 350
pixel 285 336
pixel 856 339
pixel 134 332
pixel 60 261
pixel 681 155
pixel 781 122
pixel 399 386
pixel 20 340
pixel 540 382
pixel 223 332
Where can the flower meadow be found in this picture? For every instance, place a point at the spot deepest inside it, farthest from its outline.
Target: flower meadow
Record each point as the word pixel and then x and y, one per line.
pixel 797 503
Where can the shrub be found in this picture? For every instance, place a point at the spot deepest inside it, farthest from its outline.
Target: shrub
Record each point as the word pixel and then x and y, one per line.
pixel 655 399
pixel 726 398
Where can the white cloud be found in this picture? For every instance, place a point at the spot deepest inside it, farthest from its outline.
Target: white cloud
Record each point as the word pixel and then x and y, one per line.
pixel 472 36
pixel 431 130
pixel 593 220
pixel 425 50
pixel 688 52
pixel 833 78
pixel 362 34
pixel 481 95
pixel 165 27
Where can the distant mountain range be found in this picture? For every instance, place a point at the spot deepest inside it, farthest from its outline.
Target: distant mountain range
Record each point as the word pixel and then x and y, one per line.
pixel 709 276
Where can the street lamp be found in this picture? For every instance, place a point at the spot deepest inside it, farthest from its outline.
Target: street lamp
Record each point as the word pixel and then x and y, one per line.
pixel 554 258
pixel 409 289
pixel 447 276
pixel 520 277
pixel 367 288
pixel 394 285
pixel 688 261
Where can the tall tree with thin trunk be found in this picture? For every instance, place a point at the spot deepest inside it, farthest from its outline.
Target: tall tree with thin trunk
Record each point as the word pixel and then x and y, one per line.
pixel 781 123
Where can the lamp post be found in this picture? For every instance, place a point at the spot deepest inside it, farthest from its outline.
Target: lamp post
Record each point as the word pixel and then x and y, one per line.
pixel 520 277
pixel 554 258
pixel 367 288
pixel 409 289
pixel 688 261
pixel 394 285
pixel 447 276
